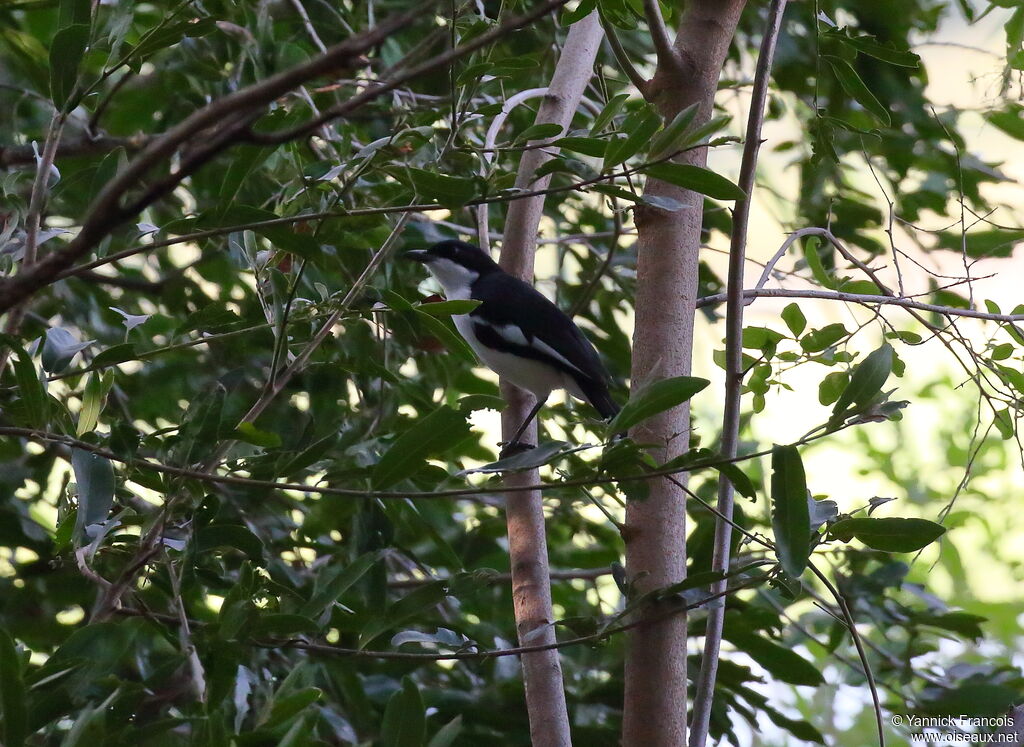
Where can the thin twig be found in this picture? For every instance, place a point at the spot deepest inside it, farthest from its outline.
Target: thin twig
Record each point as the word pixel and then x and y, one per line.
pixel 705 688
pixel 622 57
pixel 33 221
pixel 596 479
pixel 862 298
pixel 185 634
pixel 852 627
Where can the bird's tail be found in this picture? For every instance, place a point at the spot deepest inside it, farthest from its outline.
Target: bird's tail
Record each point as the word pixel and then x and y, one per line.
pixel 598 396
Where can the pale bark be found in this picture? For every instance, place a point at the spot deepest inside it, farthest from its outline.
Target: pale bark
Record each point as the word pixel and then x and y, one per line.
pixel 705 689
pixel 531 583
pixel 668 244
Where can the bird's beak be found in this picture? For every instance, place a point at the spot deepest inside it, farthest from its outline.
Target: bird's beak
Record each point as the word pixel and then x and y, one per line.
pixel 418 255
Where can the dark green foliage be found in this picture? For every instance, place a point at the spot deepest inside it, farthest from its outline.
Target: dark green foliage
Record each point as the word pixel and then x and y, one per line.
pixel 126 386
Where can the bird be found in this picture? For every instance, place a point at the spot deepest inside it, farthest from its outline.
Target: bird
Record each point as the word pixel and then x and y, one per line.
pixel 517 332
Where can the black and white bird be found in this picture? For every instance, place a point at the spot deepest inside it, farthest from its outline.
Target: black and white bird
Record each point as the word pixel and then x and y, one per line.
pixel 517 332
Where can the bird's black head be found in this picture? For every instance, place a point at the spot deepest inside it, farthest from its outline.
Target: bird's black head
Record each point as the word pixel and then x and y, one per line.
pixel 471 257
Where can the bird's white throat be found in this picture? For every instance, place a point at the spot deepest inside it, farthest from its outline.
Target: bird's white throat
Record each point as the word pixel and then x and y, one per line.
pixel 456 279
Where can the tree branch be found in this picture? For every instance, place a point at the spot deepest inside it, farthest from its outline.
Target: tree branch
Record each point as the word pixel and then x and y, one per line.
pixel 471 492
pixel 33 220
pixel 863 298
pixel 663 47
pixel 231 117
pixel 705 688
pixel 227 117
pixel 621 57
pixel 23 155
pixel 524 513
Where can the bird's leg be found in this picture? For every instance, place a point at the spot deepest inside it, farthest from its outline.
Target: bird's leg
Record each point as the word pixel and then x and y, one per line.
pixel 513 446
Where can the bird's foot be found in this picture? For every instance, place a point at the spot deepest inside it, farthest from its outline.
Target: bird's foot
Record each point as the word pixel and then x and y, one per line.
pixel 512 448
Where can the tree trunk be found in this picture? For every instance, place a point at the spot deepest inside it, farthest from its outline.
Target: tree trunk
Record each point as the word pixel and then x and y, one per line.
pixel 667 245
pixel 531 583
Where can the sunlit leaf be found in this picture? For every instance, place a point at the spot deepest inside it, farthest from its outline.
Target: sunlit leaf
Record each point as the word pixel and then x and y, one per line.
pixel 656 398
pixel 429 436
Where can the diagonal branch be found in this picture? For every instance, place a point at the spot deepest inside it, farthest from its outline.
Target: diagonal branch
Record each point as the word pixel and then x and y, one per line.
pixel 663 46
pixel 227 121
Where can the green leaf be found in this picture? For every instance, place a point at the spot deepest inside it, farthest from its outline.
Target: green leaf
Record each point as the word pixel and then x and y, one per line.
pixel 59 348
pixel 613 107
pixel 782 663
pixel 761 338
pixel 288 706
pixel 96 391
pixel 116 354
pixel 37 404
pixel 447 308
pixel 1003 422
pixel 668 140
pixel 279 624
pixel 588 146
pixel 583 9
pixel 543 454
pixel 867 380
pixel 229 535
pixel 614 190
pixel 95 478
pixel 997 242
pixel 209 317
pixel 794 318
pixel 963 623
pixel 819 339
pixel 697 179
pixel 813 256
pixel 66 51
pixel 542 131
pixel 739 479
pixel 473 402
pixel 889 534
pixel 855 87
pixel 639 126
pixel 655 398
pixel 1009 121
pixel 832 386
pixel 437 432
pixel 791 521
pixel 450 191
pixel 705 130
pixel 443 332
pixel 448 733
pixel 976 699
pixel 873 48
pixel 166 36
pixel 252 435
pixel 405 718
pixel 73 11
pixel 12 693
pixel 412 606
pixel 334 580
pixel 800 729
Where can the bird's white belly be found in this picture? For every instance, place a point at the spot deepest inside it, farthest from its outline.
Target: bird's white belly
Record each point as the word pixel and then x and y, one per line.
pixel 534 376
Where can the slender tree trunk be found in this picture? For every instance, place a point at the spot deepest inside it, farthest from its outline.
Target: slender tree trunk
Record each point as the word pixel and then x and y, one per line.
pixel 668 244
pixel 531 583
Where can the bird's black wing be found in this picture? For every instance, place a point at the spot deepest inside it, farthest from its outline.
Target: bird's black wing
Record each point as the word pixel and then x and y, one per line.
pixel 545 333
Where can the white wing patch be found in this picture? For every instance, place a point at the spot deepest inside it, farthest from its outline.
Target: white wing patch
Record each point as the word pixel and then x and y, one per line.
pixel 514 336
